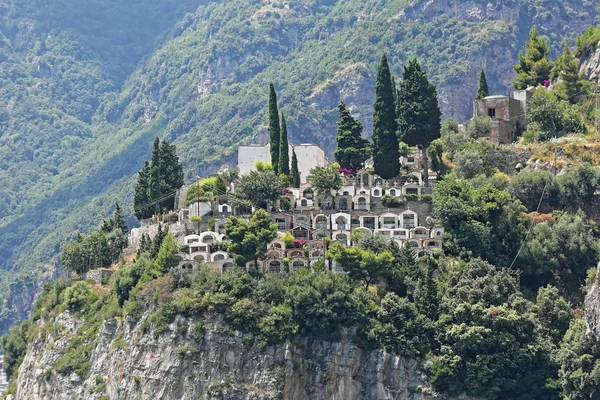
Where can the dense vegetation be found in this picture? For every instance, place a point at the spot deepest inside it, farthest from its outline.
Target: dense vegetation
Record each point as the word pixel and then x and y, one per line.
pixel 79 110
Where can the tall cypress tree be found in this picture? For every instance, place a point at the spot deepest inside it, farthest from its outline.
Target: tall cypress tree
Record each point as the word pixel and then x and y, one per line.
pixel 284 155
pixel 483 86
pixel 419 122
pixel 171 170
pixel 386 154
pixel 157 183
pixel 352 149
pixel 142 189
pixel 274 129
pixel 295 172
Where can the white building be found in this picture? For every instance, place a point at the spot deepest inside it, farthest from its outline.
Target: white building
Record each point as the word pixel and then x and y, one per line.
pixel 309 156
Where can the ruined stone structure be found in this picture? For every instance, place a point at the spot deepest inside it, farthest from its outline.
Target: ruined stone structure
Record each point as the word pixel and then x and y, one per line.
pixel 508 114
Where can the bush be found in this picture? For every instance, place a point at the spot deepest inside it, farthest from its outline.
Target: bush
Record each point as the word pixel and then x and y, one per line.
pixel 411 197
pixel 479 127
pixel 79 297
pixel 14 345
pixel 391 201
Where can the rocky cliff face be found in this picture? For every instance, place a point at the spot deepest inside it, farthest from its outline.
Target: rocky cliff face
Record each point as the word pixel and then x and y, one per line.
pixel 213 363
pixel 592 309
pixel 590 65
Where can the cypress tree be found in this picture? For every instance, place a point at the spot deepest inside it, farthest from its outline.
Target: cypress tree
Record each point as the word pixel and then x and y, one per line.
pixel 483 86
pixel 386 154
pixel 295 172
pixel 156 176
pixel 142 190
pixel 284 155
pixel 352 149
pixel 533 67
pixel 274 129
pixel 419 122
pixel 171 171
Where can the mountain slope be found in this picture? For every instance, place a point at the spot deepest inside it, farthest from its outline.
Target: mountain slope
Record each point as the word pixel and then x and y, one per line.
pixel 78 110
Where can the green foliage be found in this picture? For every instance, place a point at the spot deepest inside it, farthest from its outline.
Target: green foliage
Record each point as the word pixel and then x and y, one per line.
pixel 419 118
pixel 167 257
pixel 359 264
pixel 14 346
pixel 570 83
pixel 79 297
pixel 386 151
pixel 488 338
pixel 162 176
pixel 99 249
pixel 587 42
pixel 553 312
pixel 479 127
pixel 578 185
pixel 579 359
pixel 126 279
pixel 248 240
pixel 480 221
pixel 295 178
pixel 533 67
pixel 528 185
pixel 483 90
pixel 325 180
pixel 205 190
pixel 552 117
pixel 452 138
pixel 274 128
pixel 399 328
pixel 352 150
pixel 284 156
pixel 258 188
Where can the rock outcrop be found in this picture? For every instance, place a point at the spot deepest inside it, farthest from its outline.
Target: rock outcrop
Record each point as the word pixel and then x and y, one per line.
pixel 590 65
pixel 592 309
pixel 213 362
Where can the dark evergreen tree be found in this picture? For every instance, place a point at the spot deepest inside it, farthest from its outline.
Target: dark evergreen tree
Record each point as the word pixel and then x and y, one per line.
pixel 274 128
pixel 163 175
pixel 533 67
pixel 295 173
pixel 284 155
pixel 157 182
pixel 171 171
pixel 419 122
pixel 386 153
pixel 483 91
pixel 141 196
pixel 352 149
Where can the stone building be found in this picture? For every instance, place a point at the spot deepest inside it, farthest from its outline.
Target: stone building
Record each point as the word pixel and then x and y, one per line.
pixel 508 114
pixel 309 156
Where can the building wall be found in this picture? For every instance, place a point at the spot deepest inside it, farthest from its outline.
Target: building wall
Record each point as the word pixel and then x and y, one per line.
pixel 249 155
pixel 309 156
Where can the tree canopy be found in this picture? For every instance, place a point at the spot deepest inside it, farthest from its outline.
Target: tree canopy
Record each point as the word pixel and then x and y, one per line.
pixel 248 240
pixel 533 67
pixel 386 151
pixel 274 128
pixel 352 150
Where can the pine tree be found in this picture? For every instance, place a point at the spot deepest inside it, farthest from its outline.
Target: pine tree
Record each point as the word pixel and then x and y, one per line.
pixel 274 128
pixel 566 70
pixel 533 67
pixel 483 86
pixel 284 155
pixel 419 122
pixel 352 149
pixel 386 154
pixel 295 172
pixel 118 220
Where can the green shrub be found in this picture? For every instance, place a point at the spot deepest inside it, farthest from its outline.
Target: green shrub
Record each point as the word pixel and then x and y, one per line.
pixel 427 198
pixel 79 297
pixel 411 197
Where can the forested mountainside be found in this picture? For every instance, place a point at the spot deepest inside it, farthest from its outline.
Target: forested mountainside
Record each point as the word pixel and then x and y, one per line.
pixel 86 86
